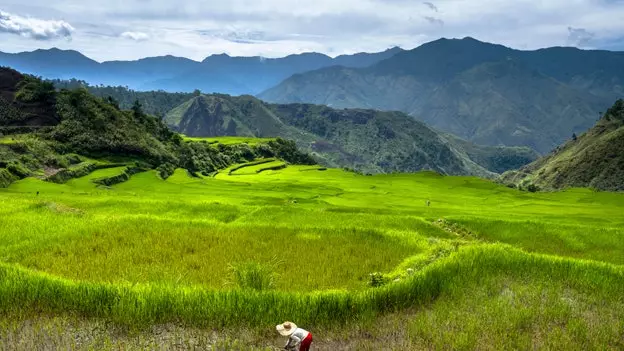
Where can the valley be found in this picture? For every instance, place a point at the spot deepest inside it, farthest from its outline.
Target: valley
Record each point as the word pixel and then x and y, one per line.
pixel 458 196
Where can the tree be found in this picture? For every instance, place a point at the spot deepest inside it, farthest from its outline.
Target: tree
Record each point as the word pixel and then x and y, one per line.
pixel 137 109
pixel 112 101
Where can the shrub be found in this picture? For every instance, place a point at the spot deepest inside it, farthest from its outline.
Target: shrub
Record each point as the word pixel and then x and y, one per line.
pixel 18 169
pixel 165 170
pixel 377 280
pixel 32 89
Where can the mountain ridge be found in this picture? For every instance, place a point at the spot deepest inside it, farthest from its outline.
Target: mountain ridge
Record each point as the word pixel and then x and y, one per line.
pixel 237 75
pixel 369 141
pixel 436 82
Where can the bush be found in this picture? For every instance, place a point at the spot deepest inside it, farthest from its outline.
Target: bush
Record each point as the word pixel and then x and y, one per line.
pixel 377 279
pixel 18 169
pixel 165 170
pixel 32 89
pixel 533 188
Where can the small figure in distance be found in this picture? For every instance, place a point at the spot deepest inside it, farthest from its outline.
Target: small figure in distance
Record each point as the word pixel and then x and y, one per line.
pixel 428 203
pixel 37 193
pixel 296 336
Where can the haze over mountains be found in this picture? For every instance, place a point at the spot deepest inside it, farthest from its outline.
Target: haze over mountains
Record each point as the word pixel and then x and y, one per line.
pixel 216 73
pixel 486 93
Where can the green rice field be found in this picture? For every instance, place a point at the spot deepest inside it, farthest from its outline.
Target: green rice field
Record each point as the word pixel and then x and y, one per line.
pixel 405 261
pixel 228 140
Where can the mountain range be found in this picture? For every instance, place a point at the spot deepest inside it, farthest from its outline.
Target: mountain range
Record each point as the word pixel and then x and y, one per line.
pixel 482 92
pixel 217 73
pixel 366 140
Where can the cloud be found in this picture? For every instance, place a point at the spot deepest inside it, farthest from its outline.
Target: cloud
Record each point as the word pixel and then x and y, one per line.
pixel 34 28
pixel 579 36
pixel 235 35
pixel 431 6
pixel 136 36
pixel 434 20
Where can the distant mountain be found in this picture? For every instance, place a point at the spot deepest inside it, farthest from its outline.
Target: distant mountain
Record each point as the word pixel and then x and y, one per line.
pixel 217 73
pixel 486 93
pixel 366 140
pixel 594 159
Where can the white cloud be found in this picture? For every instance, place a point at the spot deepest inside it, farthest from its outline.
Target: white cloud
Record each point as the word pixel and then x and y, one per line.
pixel 136 36
pixel 34 28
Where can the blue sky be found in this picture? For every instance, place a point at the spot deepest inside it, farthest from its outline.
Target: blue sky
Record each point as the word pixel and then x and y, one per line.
pixel 116 29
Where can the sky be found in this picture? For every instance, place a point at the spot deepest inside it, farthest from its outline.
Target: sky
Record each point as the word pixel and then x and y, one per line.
pixel 132 29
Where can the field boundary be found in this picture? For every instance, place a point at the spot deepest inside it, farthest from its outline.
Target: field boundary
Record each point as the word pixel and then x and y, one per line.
pixel 250 164
pixel 124 176
pixel 272 168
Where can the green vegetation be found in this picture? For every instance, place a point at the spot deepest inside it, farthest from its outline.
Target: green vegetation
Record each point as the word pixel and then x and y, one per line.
pixel 485 93
pixel 112 224
pixel 365 140
pixel 300 243
pixel 82 127
pixel 594 159
pixel 156 103
pixel 229 140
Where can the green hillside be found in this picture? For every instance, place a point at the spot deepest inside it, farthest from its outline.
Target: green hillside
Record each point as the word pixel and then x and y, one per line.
pixel 117 233
pixel 59 135
pixel 366 140
pixel 594 159
pixel 481 92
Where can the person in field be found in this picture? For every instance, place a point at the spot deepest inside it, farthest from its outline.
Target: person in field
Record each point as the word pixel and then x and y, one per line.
pixel 298 339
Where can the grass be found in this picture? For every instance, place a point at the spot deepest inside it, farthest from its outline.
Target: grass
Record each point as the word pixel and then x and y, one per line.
pixel 229 140
pixel 504 269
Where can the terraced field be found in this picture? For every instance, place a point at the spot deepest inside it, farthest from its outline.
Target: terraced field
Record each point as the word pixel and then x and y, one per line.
pixel 229 140
pixel 405 261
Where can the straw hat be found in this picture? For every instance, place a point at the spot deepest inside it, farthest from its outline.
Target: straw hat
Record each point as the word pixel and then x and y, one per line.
pixel 286 328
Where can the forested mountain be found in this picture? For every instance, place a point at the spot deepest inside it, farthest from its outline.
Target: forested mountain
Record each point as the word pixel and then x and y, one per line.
pixel 366 140
pixel 486 93
pixel 594 159
pixel 156 103
pixel 44 131
pixel 217 73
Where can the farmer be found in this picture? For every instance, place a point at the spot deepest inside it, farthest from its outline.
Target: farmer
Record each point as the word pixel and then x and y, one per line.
pixel 296 336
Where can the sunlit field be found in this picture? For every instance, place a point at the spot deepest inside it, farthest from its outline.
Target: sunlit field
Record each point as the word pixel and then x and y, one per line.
pixel 459 262
pixel 228 140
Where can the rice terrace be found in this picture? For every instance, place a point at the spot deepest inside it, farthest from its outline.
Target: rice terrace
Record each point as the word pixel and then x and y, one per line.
pixel 483 266
pixel 392 190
